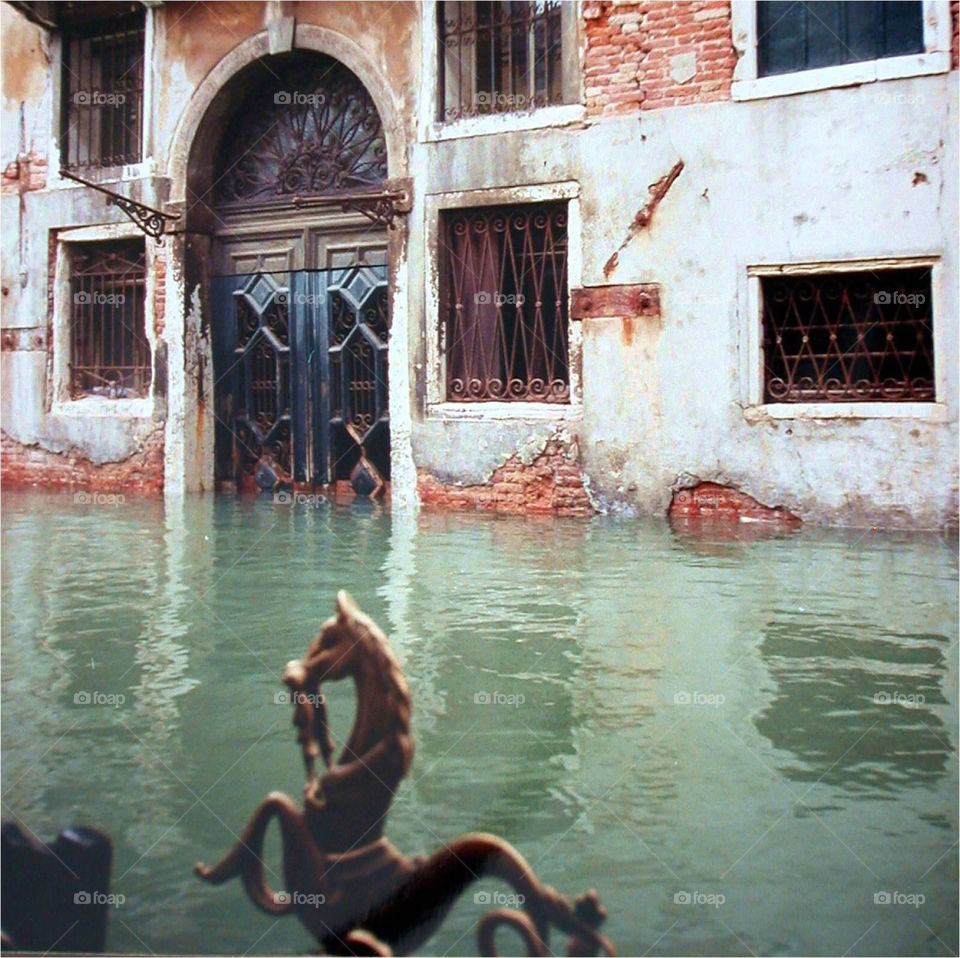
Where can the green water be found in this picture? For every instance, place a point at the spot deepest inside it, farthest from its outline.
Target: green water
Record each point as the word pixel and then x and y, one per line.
pixel 766 728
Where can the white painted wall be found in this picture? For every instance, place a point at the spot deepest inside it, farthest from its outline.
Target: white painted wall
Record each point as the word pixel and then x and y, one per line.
pixel 821 176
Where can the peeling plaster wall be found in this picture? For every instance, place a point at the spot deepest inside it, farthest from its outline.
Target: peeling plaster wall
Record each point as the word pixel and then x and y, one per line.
pixel 821 176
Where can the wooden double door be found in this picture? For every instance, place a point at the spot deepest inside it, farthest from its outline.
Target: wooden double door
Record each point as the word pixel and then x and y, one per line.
pixel 300 359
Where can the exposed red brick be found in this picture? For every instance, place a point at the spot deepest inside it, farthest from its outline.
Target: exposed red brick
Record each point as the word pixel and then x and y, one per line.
pixel 550 485
pixel 140 474
pixel 955 44
pixel 629 47
pixel 25 175
pixel 709 500
pixel 160 290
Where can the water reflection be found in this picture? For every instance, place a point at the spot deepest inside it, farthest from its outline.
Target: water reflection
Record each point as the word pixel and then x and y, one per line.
pixel 558 671
pixel 856 706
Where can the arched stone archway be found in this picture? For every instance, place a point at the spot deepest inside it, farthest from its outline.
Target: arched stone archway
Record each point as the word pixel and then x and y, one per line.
pixel 192 166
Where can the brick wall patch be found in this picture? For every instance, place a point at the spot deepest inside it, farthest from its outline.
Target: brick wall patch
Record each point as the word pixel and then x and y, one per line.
pixel 551 484
pixel 139 474
pixel 710 500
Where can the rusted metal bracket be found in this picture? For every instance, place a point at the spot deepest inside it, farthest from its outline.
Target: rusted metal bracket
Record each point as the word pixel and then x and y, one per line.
pixel 152 222
pixel 382 207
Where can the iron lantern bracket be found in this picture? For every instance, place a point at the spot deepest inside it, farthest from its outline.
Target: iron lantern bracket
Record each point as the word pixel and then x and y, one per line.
pixel 152 222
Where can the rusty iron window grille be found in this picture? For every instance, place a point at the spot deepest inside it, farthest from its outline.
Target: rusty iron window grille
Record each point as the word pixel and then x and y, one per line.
pixel 307 128
pixel 102 115
pixel 848 337
pixel 499 57
pixel 109 351
pixel 504 329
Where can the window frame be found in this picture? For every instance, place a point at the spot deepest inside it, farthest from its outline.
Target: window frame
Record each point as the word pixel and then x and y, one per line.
pixel 437 406
pixel 62 399
pixel 752 354
pixel 144 166
pixel 432 129
pixel 748 86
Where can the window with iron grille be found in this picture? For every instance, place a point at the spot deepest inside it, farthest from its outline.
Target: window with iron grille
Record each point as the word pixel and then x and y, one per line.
pixel 504 303
pixel 502 57
pixel 109 351
pixel 102 92
pixel 848 337
pixel 794 36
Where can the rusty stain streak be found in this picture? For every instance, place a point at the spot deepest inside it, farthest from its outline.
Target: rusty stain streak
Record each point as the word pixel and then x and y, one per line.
pixel 626 331
pixel 641 221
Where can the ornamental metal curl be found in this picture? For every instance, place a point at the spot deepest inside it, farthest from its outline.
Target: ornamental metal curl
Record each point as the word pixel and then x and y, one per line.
pixel 152 222
pixel 309 129
pixel 345 881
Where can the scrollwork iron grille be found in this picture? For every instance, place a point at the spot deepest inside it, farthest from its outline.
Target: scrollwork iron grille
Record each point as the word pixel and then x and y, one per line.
pixel 109 351
pixel 308 128
pixel 102 113
pixel 504 304
pixel 499 57
pixel 848 337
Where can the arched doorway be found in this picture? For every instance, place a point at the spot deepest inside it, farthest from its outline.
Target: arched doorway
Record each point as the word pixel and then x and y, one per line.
pixel 298 286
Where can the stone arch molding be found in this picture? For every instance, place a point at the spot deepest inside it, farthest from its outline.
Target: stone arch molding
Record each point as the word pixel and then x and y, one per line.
pixel 307 37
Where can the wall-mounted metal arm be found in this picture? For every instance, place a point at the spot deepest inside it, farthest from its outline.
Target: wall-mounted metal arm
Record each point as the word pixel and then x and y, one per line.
pixel 381 207
pixel 151 221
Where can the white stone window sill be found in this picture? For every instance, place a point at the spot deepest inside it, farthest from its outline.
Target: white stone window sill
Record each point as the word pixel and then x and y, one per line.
pixel 103 175
pixel 930 411
pixel 93 406
pixel 498 411
pixel 846 74
pixel 506 122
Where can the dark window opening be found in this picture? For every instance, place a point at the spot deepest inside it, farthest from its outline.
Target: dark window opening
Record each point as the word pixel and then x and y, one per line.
pixel 848 337
pixel 504 303
pixel 102 121
pixel 499 57
pixel 109 351
pixel 804 36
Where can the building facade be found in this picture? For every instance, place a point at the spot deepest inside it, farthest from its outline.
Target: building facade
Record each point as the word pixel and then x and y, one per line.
pixel 552 257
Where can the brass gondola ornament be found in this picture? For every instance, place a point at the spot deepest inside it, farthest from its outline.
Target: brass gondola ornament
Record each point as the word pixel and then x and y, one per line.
pixel 349 886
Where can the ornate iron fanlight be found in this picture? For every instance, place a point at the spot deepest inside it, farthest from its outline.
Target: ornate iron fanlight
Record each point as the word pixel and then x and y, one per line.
pixel 310 128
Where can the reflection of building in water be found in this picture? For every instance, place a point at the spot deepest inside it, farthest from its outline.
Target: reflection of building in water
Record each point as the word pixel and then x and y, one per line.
pixel 854 703
pixel 489 650
pixel 163 654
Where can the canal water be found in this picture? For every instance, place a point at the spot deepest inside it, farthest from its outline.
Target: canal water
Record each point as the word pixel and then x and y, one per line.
pixel 746 745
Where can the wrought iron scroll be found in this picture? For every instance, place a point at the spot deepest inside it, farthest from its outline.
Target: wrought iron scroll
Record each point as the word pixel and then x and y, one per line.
pixel 309 129
pixel 848 337
pixel 152 222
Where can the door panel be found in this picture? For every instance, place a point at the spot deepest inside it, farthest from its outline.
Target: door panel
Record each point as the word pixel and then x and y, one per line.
pixel 300 362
